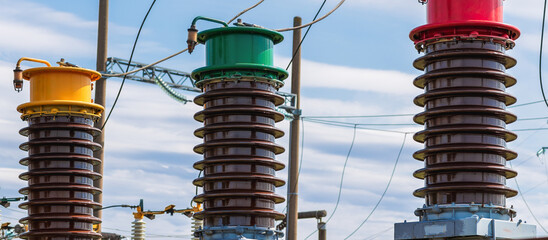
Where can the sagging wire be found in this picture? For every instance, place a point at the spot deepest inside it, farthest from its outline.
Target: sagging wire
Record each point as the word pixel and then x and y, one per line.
pixel 304 37
pixel 129 63
pixel 145 67
pixel 385 190
pixel 342 180
pixel 172 55
pixel 540 53
pixel 349 125
pixel 244 11
pixel 300 166
pixel 525 201
pixel 310 23
pixel 364 116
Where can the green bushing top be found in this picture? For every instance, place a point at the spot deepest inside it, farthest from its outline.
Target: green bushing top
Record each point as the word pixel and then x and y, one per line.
pixel 230 49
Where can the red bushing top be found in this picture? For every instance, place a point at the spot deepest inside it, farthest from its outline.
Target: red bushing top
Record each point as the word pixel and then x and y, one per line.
pixel 464 19
pixel 445 11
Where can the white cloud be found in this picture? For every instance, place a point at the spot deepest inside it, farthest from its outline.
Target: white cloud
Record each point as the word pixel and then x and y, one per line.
pixel 321 75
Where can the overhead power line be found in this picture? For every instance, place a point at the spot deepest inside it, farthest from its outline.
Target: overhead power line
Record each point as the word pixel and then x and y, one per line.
pixel 315 21
pixel 244 11
pixel 350 125
pixel 304 37
pixel 147 66
pixel 540 53
pixel 525 104
pixel 385 190
pixel 130 58
pixel 526 204
pixel 363 116
pixel 341 182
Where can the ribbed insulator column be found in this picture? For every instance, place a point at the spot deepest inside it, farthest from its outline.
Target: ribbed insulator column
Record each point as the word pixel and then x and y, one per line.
pixel 465 121
pixel 239 152
pixel 60 178
pixel 138 229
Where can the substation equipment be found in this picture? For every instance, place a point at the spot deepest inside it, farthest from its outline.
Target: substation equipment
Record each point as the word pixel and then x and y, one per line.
pixel 60 146
pixel 239 84
pixel 465 119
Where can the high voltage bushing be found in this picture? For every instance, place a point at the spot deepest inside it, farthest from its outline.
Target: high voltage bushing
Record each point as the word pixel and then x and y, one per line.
pixel 239 100
pixel 60 145
pixel 465 121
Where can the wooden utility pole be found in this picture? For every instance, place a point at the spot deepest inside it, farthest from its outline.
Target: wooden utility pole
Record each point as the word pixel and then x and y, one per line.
pixel 293 188
pixel 100 97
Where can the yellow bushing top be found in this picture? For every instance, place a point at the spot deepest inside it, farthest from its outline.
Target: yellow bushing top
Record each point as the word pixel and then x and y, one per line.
pixel 60 90
pixel 60 83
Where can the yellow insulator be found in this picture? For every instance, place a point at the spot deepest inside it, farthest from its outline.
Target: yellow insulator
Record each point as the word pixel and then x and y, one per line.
pixel 60 91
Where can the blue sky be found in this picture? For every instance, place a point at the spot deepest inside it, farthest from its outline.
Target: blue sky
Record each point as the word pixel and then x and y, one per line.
pixel 356 62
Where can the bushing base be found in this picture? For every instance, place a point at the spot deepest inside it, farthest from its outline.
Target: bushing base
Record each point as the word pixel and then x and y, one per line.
pixel 238 233
pixel 466 228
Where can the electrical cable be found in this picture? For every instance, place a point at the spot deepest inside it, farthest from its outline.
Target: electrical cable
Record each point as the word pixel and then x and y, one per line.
pixel 528 129
pixel 304 37
pixel 244 11
pixel 525 104
pixel 524 161
pixel 300 166
pixel 385 190
pixel 526 204
pixel 540 53
pixel 129 63
pixel 379 233
pixel 364 116
pixel 145 67
pixel 348 125
pixel 341 182
pixel 17 211
pixel 119 205
pixel 533 188
pixel 315 21
pixel 529 119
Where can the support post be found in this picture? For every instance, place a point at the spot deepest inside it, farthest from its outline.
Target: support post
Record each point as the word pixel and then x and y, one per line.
pixel 292 187
pixel 100 97
pixel 322 231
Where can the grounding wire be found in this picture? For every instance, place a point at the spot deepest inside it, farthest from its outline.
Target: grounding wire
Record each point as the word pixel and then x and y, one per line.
pixel 315 21
pixel 129 63
pixel 244 11
pixel 304 37
pixel 540 54
pixel 526 204
pixel 342 180
pixel 385 190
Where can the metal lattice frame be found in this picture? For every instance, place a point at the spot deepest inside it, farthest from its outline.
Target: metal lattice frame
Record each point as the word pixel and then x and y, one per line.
pixel 181 80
